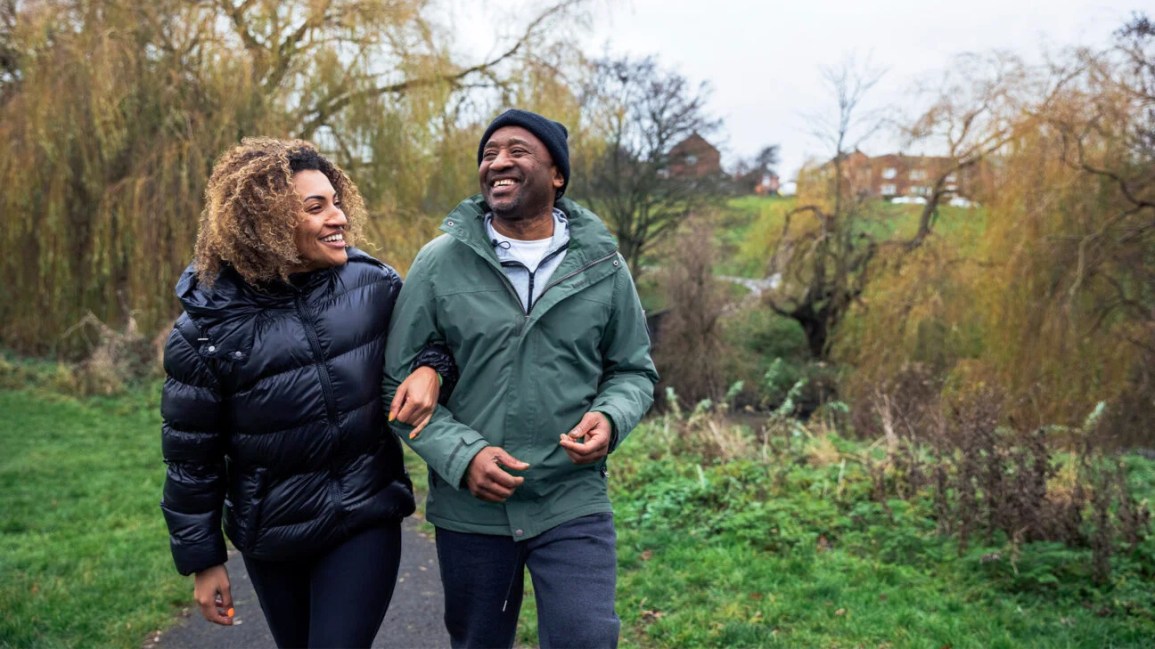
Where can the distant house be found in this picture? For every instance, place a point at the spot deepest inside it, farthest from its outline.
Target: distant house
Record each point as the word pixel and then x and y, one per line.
pixel 761 182
pixel 895 175
pixel 768 184
pixel 694 157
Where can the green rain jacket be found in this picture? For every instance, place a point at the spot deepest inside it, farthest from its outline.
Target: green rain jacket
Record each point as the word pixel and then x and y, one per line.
pixel 526 378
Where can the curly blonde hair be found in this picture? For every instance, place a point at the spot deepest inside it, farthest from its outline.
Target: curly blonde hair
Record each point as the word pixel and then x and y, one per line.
pixel 251 209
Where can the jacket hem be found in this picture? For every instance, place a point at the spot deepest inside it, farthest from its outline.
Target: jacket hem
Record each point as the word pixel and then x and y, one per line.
pixel 504 529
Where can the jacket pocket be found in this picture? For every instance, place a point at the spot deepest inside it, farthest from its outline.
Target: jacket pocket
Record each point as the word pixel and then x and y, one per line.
pixel 246 500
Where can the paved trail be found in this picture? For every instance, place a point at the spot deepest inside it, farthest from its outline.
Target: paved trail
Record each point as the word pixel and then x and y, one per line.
pixel 413 622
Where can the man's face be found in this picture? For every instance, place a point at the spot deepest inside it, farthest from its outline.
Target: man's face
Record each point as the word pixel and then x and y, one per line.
pixel 517 174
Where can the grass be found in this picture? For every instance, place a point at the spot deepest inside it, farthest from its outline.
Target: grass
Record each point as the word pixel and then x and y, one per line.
pixel 749 226
pixel 83 548
pixel 781 548
pixel 746 230
pixel 793 553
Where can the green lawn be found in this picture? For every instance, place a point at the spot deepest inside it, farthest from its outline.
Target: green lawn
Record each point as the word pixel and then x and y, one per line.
pixel 790 553
pixel 774 551
pixel 84 553
pixel 749 226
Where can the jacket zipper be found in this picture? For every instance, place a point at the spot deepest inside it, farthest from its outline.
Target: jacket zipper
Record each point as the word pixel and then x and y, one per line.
pixel 330 401
pixel 579 271
pixel 532 276
pixel 318 354
pixel 509 285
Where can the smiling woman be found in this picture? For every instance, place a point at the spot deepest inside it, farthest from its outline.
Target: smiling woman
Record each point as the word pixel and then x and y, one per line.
pixel 274 420
pixel 320 235
pixel 265 190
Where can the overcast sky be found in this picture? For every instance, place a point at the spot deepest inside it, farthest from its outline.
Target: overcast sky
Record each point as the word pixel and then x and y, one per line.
pixel 763 58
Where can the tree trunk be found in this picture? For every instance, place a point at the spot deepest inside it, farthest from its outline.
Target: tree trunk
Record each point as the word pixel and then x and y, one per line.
pixel 817 333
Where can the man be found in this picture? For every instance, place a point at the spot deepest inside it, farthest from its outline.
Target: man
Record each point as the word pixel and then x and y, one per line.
pixel 529 292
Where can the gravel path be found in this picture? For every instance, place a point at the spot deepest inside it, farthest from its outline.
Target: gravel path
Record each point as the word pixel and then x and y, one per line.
pixel 414 619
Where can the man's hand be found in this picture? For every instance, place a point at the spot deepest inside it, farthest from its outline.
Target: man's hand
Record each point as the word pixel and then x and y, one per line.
pixel 212 593
pixel 589 441
pixel 488 480
pixel 416 399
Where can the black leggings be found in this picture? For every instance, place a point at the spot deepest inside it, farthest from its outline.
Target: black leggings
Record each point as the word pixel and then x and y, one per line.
pixel 337 599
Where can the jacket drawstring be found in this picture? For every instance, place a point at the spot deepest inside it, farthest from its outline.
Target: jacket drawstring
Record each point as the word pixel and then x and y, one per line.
pixel 517 566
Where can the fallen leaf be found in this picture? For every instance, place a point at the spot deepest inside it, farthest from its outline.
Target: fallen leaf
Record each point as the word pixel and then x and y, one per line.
pixel 649 617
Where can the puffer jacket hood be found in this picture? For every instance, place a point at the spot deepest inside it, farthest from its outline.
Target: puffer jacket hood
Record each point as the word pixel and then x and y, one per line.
pixel 272 413
pixel 230 302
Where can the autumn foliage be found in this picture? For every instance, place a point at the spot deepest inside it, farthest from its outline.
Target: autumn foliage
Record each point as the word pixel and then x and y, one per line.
pixel 112 112
pixel 1046 294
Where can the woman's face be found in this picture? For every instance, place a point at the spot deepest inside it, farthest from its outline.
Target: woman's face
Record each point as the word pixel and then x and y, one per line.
pixel 320 234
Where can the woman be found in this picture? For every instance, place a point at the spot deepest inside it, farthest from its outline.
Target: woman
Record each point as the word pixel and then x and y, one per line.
pixel 272 410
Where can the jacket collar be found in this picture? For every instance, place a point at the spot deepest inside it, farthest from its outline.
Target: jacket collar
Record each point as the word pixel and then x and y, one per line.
pixel 589 238
pixel 559 239
pixel 223 310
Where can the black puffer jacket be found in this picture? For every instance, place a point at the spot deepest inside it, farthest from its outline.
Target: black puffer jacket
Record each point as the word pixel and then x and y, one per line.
pixel 273 412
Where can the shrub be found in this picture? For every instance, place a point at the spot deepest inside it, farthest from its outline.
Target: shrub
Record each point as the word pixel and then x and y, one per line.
pixel 689 346
pixel 117 359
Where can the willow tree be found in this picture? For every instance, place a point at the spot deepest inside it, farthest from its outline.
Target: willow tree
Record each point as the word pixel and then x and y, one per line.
pixel 823 253
pixel 919 307
pixel 1045 294
pixel 1077 233
pixel 112 111
pixel 831 249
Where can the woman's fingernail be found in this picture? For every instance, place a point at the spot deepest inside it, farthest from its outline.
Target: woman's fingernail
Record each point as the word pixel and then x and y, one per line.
pixel 231 612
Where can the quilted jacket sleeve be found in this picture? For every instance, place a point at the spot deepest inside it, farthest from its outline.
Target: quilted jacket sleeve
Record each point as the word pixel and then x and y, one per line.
pixel 438 356
pixel 193 443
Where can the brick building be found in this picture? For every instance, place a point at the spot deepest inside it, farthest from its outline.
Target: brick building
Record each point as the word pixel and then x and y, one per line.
pixel 896 175
pixel 694 157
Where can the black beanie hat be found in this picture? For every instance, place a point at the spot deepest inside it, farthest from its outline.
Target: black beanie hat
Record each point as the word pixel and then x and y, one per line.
pixel 552 134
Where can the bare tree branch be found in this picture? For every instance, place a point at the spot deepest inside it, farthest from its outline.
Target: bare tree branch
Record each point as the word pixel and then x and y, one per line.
pixel 328 106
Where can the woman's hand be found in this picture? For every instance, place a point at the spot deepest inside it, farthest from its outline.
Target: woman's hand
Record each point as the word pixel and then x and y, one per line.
pixel 212 592
pixel 416 399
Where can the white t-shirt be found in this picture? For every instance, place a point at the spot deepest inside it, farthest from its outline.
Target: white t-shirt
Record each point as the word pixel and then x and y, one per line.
pixel 530 264
pixel 528 253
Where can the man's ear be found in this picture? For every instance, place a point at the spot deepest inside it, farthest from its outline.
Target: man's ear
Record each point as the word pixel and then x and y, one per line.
pixel 558 179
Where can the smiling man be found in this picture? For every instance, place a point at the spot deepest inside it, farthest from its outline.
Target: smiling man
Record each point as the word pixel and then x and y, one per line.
pixel 529 292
